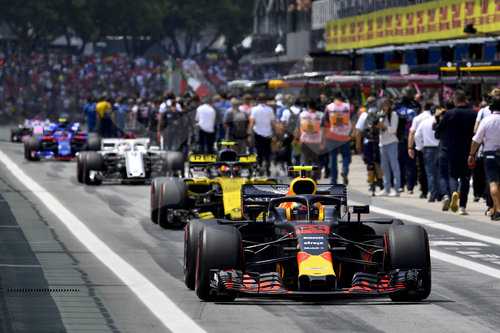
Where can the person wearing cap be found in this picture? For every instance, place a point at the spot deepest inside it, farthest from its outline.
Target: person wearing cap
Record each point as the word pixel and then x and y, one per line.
pixel 488 133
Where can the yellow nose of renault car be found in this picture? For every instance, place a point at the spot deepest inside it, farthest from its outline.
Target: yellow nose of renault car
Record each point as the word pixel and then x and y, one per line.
pixel 299 240
pixel 212 190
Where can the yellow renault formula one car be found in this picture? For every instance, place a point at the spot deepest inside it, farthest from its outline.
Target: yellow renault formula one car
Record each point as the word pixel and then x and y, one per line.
pixel 299 240
pixel 214 193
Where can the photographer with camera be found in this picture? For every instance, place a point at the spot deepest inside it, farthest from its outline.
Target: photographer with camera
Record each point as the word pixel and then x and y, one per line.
pixel 367 140
pixel 388 124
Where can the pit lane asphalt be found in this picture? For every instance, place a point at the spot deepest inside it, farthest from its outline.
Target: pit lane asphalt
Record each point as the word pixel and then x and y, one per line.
pixel 39 252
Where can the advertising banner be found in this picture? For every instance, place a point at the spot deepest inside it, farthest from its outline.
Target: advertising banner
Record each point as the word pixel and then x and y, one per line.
pixel 443 19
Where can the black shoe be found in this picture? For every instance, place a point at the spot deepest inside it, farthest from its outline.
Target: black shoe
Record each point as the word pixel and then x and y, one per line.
pixel 345 180
pixel 495 216
pixel 431 199
pixel 423 196
pixel 476 198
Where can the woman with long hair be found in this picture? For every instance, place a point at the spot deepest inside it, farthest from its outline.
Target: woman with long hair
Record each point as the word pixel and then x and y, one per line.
pixel 388 124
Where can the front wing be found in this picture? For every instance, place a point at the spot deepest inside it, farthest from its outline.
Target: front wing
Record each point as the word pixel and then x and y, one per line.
pixel 270 284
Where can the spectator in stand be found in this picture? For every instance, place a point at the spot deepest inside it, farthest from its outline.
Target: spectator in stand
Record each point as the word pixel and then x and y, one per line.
pixel 426 142
pixel 388 125
pixel 236 124
pixel 310 135
pixel 337 129
pixel 456 127
pixel 488 133
pixel 262 125
pixel 417 154
pixel 407 109
pixel 206 118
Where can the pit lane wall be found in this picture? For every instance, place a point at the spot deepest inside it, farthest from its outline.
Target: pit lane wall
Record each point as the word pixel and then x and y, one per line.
pixel 443 19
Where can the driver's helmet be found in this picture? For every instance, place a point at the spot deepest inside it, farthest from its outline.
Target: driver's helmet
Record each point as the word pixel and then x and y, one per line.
pixel 298 212
pixel 225 170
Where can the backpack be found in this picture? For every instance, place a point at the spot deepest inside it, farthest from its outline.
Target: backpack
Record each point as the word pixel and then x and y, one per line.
pixel 293 122
pixel 240 123
pixel 405 117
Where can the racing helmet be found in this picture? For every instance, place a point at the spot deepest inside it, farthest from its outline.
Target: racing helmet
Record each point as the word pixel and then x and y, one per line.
pixel 298 212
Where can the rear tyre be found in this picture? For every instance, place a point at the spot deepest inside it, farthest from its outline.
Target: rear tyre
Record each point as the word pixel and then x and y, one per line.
pixel 31 146
pixel 174 163
pixel 79 167
pixel 156 186
pixel 92 161
pixel 408 248
pixel 93 142
pixel 16 134
pixel 173 193
pixel 219 247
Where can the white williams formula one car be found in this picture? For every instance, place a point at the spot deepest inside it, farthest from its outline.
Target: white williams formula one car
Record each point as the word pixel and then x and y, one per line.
pixel 127 161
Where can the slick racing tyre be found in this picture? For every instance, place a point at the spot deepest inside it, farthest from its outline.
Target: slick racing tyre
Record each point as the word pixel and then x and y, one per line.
pixel 173 194
pixel 79 166
pixel 31 146
pixel 156 186
pixel 219 247
pixel 92 161
pixel 174 164
pixel 408 248
pixel 93 142
pixel 192 232
pixel 16 134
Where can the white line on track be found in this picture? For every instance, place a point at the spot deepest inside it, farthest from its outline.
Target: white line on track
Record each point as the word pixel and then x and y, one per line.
pixel 160 305
pixel 466 263
pixel 457 231
pixel 436 225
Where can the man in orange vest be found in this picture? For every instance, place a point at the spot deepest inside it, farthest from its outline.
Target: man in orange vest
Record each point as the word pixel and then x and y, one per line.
pixel 310 136
pixel 337 128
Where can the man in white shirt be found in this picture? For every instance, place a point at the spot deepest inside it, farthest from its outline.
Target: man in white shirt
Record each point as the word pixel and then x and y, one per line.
pixel 206 118
pixel 262 124
pixel 489 132
pixel 426 142
pixel 418 155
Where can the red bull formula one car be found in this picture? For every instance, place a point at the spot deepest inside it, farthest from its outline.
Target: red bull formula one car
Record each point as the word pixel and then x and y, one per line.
pixel 300 240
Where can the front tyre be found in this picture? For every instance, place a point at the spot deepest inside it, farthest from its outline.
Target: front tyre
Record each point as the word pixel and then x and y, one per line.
pixel 219 247
pixel 408 248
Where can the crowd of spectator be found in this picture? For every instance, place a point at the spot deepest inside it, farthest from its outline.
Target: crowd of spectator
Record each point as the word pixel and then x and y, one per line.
pixel 56 85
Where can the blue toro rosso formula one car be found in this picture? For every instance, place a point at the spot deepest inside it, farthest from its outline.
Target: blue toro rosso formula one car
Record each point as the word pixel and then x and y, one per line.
pixel 61 141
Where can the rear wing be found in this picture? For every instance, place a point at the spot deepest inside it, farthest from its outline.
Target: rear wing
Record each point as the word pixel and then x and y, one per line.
pixel 200 161
pixel 255 198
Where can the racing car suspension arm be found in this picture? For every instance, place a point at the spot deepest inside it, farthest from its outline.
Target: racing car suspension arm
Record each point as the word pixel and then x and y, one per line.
pixel 270 261
pixel 359 245
pixel 357 261
pixel 264 246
